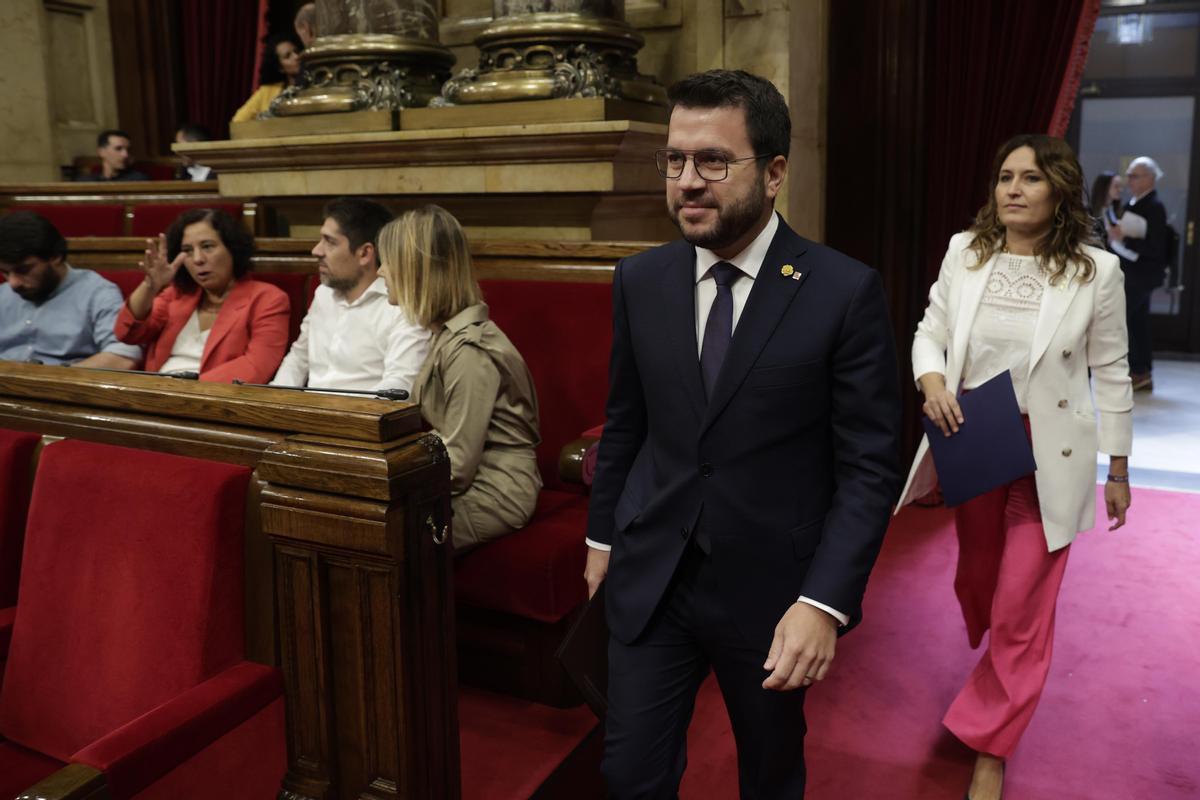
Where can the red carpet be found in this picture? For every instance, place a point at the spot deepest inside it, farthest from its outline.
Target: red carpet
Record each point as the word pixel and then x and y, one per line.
pixel 1120 719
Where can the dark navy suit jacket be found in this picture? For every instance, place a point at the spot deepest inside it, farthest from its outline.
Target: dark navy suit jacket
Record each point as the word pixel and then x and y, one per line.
pixel 791 467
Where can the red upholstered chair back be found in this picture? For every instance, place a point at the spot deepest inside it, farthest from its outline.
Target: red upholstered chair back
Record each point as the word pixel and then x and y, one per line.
pixel 81 219
pixel 151 219
pixel 564 332
pixel 295 285
pixel 16 465
pixel 126 279
pixel 131 590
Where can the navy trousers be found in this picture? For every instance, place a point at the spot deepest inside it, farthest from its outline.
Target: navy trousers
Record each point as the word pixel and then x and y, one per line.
pixel 652 687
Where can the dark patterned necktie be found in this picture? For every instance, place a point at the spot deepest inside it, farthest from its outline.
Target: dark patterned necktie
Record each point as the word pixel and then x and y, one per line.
pixel 719 329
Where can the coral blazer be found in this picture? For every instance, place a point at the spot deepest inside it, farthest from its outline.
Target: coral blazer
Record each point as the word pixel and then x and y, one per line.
pixel 1080 399
pixel 247 341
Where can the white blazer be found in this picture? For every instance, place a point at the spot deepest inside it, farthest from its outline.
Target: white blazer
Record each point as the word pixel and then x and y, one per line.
pixel 1079 326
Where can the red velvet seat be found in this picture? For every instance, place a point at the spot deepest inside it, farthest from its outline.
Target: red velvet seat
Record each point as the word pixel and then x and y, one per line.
pixel 535 573
pixel 295 286
pixel 81 219
pixel 127 645
pixel 516 596
pixel 16 473
pixel 151 219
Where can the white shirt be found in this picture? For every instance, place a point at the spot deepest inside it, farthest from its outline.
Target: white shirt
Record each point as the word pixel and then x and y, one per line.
pixel 198 172
pixel 366 345
pixel 1001 336
pixel 749 261
pixel 188 349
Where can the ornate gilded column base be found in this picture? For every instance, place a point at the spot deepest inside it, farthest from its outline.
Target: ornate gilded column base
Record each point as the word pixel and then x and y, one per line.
pixel 546 56
pixel 366 72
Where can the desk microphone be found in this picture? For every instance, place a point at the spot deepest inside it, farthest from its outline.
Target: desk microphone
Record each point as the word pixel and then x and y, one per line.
pixel 382 394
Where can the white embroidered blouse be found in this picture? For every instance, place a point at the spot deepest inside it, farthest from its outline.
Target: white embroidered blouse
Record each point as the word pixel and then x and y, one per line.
pixel 1002 334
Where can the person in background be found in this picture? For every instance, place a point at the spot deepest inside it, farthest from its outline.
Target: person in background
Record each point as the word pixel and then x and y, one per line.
pixel 1106 204
pixel 1140 239
pixel 280 68
pixel 198 311
pixel 352 338
pixel 1022 291
pixel 188 169
pixel 114 149
pixel 50 312
pixel 306 24
pixel 474 388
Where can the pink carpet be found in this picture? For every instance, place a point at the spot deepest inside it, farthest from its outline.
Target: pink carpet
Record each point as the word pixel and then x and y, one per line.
pixel 1120 718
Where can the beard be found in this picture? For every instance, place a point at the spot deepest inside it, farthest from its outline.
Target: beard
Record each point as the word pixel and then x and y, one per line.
pixel 341 285
pixel 734 220
pixel 38 295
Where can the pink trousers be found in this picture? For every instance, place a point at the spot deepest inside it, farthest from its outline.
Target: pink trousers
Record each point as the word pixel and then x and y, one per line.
pixel 1008 582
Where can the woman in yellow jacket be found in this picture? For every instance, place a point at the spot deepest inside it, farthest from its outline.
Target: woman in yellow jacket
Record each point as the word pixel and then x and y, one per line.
pixel 280 67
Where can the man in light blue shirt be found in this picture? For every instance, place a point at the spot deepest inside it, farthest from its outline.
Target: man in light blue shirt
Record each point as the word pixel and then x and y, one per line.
pixel 49 312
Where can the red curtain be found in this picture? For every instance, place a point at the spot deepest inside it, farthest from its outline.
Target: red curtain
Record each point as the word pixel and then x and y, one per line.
pixel 997 68
pixel 220 42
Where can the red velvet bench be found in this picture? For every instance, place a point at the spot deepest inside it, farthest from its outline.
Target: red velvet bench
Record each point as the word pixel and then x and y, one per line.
pixel 517 597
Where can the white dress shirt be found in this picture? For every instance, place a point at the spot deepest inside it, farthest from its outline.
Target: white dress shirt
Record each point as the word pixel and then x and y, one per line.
pixel 188 349
pixel 749 261
pixel 366 345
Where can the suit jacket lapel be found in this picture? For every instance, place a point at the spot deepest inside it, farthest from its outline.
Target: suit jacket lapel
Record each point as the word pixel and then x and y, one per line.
pixel 679 310
pixel 1054 307
pixel 769 298
pixel 230 313
pixel 970 294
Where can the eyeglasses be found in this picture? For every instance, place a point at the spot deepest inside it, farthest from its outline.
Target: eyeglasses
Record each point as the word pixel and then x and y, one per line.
pixel 711 165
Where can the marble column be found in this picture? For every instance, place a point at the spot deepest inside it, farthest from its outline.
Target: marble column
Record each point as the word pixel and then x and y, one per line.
pixel 544 49
pixel 377 55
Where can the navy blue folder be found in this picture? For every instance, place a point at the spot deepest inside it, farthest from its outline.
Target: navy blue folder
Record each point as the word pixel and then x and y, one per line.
pixel 991 447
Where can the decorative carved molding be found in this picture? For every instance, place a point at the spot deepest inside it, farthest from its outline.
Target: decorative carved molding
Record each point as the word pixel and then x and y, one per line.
pixel 546 56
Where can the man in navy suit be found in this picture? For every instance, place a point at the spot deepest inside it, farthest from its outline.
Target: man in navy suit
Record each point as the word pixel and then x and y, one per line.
pixel 750 460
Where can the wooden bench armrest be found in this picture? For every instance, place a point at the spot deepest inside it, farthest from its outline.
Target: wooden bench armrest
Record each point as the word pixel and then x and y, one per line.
pixel 577 460
pixel 72 782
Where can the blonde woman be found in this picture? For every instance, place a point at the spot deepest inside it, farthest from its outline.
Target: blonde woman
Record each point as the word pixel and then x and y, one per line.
pixel 474 388
pixel 1023 291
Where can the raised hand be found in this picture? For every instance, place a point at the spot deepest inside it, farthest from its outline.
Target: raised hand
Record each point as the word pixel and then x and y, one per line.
pixel 159 273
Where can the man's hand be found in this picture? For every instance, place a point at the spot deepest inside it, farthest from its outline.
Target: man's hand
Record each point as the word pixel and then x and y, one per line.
pixel 802 650
pixel 1115 233
pixel 596 569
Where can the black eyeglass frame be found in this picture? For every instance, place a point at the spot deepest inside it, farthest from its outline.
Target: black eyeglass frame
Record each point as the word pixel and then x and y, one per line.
pixel 692 154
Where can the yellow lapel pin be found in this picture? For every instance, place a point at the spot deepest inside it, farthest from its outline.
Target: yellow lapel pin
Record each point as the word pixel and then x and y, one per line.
pixel 786 270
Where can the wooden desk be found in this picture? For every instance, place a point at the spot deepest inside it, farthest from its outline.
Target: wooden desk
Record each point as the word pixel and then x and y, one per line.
pixel 347 586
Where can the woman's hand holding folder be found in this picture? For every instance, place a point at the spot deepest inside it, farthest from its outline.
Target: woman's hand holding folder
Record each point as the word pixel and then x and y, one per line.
pixel 941 406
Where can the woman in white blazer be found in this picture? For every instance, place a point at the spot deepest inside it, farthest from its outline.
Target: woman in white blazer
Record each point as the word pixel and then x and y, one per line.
pixel 1023 291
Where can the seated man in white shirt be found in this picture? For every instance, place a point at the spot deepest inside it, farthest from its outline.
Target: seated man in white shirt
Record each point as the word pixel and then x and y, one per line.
pixel 352 338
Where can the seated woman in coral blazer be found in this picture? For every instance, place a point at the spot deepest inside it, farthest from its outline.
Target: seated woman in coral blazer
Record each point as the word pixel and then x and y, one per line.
pixel 196 311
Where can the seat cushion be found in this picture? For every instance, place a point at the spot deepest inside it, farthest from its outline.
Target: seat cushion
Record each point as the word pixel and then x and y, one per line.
pixel 131 590
pixel 537 572
pixel 21 768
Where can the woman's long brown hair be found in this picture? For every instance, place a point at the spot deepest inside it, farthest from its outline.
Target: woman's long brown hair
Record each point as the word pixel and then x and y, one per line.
pixel 1062 247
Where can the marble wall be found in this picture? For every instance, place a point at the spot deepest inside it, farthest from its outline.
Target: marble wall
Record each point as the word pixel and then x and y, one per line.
pixel 783 40
pixel 56 85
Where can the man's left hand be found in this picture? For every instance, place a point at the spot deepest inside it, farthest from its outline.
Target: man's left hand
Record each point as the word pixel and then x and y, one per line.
pixel 802 650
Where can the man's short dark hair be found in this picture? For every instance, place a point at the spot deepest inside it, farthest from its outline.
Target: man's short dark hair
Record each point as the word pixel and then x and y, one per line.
pixel 24 234
pixel 360 219
pixel 102 139
pixel 237 240
pixel 193 132
pixel 767 118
